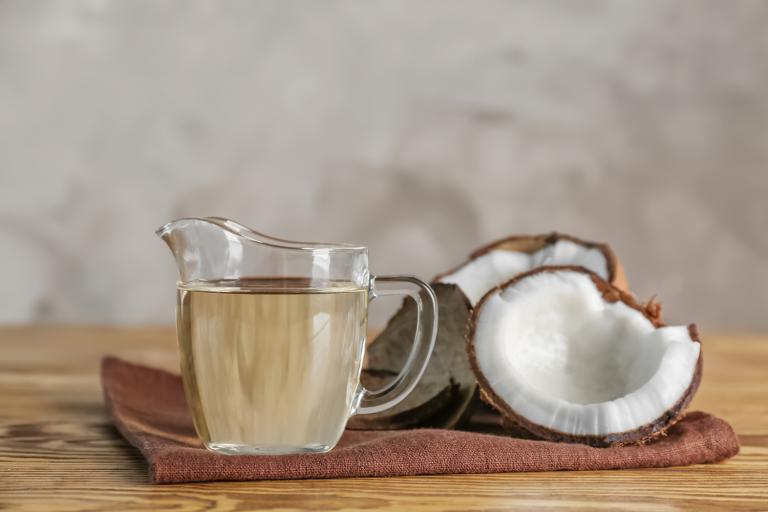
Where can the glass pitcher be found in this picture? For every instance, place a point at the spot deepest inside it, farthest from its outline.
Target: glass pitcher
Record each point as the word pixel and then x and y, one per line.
pixel 272 334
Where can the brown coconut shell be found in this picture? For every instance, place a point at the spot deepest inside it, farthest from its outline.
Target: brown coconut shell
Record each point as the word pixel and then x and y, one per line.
pixel 445 392
pixel 642 434
pixel 532 243
pixel 417 413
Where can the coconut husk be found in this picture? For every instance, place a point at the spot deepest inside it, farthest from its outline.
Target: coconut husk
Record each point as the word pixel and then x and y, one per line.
pixel 448 387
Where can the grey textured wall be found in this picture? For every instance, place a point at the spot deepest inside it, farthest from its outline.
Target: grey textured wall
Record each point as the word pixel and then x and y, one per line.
pixel 422 129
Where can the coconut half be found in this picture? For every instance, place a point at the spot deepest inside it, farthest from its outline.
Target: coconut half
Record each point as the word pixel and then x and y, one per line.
pixel 503 259
pixel 569 357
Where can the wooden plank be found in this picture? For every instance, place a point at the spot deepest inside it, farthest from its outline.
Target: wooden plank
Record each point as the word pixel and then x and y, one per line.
pixel 59 452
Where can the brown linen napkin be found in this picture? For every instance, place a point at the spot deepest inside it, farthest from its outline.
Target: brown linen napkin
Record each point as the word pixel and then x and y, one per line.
pixel 148 407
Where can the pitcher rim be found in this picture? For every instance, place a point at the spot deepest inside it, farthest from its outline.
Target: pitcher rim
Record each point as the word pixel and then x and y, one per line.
pixel 249 234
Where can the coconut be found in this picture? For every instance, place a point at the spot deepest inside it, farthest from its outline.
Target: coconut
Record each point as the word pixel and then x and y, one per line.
pixel 500 261
pixel 567 356
pixel 447 393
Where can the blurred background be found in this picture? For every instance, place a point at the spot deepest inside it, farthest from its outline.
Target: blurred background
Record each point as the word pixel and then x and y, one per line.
pixel 422 129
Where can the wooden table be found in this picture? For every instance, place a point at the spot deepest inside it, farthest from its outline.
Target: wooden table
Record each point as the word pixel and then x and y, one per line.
pixel 58 450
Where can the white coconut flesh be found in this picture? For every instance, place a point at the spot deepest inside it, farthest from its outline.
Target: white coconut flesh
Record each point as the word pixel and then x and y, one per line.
pixel 562 357
pixel 497 266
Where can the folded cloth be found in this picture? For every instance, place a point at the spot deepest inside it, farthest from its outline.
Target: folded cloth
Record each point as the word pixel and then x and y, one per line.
pixel 149 409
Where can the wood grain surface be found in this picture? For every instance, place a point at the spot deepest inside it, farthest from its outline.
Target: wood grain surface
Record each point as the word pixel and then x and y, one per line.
pixel 58 450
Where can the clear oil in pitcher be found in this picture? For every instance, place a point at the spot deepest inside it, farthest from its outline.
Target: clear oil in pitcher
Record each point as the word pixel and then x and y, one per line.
pixel 271 362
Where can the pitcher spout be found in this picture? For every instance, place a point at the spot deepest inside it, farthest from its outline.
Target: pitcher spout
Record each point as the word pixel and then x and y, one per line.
pixel 165 232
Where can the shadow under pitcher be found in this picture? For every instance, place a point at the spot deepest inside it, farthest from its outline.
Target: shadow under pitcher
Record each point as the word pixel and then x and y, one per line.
pixel 272 334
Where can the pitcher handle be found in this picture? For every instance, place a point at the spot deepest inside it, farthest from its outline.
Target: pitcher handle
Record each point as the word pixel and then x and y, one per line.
pixel 423 342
